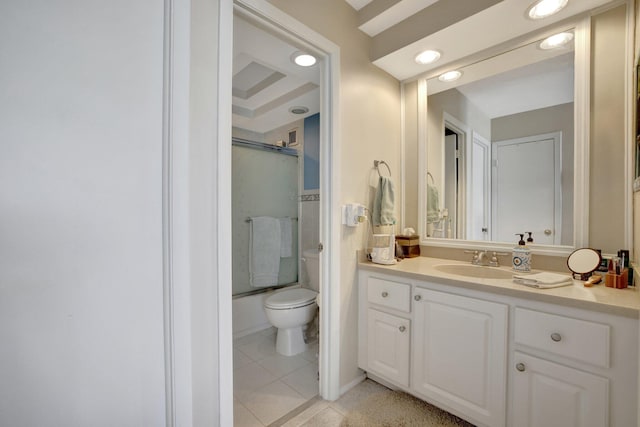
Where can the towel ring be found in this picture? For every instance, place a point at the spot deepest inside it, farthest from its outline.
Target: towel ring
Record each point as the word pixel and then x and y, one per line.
pixel 377 163
pixel 430 176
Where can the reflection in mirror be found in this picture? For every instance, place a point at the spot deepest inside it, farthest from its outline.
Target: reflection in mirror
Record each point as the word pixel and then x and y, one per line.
pixel 500 149
pixel 583 262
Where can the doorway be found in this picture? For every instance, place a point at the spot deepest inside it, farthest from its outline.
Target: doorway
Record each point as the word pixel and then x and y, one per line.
pixel 452 145
pixel 280 25
pixel 454 176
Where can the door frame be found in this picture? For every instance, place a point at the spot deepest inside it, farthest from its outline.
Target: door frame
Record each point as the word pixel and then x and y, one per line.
pixel 266 14
pixel 557 170
pixel 477 138
pixel 463 131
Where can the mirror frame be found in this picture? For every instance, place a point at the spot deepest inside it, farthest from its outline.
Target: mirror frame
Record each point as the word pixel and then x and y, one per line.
pixel 582 64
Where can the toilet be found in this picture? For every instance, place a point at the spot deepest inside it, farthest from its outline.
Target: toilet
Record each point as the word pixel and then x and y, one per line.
pixel 290 310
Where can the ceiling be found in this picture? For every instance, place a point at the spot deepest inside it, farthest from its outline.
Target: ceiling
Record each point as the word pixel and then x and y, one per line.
pixel 519 80
pixel 400 29
pixel 267 83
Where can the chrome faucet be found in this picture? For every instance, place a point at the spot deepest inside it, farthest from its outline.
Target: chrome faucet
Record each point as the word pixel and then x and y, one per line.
pixel 483 258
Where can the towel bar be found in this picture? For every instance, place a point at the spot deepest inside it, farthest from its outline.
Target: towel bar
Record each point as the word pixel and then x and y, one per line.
pixel 430 176
pixel 248 219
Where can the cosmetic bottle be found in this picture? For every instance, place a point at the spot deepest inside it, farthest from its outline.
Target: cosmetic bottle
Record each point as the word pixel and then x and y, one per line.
pixel 521 256
pixel 624 255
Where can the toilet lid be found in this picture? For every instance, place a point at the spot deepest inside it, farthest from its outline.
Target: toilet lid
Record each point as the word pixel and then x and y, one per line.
pixel 291 298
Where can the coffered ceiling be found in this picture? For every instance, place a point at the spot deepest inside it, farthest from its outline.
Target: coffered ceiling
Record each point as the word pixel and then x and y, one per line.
pixel 400 29
pixel 267 84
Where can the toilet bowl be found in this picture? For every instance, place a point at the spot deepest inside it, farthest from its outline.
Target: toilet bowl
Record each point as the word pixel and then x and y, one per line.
pixel 289 311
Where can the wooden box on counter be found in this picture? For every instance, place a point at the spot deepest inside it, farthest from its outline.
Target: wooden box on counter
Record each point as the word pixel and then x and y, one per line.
pixel 618 281
pixel 410 245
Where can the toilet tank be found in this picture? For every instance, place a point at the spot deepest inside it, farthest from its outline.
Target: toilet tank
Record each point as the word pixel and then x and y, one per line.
pixel 312 262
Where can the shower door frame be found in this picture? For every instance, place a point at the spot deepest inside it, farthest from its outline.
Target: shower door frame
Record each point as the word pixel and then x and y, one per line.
pixel 263 12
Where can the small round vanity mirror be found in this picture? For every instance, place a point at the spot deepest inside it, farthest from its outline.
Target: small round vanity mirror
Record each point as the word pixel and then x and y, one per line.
pixel 582 262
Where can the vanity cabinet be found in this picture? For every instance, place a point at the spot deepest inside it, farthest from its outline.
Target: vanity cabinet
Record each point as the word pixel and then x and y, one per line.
pixel 499 360
pixel 562 371
pixel 460 354
pixel 549 394
pixel 388 346
pixel 447 349
pixel 387 334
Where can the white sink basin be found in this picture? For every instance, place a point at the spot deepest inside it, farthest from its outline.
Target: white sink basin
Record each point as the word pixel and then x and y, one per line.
pixel 478 271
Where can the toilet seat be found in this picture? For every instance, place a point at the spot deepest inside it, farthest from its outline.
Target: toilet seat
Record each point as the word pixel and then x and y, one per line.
pixel 291 298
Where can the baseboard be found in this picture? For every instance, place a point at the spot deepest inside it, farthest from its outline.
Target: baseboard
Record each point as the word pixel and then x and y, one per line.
pixel 381 381
pixel 345 388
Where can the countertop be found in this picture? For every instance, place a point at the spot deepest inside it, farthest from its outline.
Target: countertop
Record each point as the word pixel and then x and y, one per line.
pixel 623 302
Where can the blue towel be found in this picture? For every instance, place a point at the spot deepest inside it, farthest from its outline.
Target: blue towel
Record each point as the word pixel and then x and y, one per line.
pixel 383 205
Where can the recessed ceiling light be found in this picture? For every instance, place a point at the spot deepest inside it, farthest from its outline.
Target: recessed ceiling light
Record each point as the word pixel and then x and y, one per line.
pixel 427 57
pixel 543 8
pixel 298 110
pixel 303 59
pixel 556 41
pixel 450 76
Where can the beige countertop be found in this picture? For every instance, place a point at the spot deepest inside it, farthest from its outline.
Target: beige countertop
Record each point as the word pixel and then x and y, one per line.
pixel 624 302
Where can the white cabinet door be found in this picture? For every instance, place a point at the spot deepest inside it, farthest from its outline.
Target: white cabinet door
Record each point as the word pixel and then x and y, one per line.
pixel 546 394
pixel 388 346
pixel 459 355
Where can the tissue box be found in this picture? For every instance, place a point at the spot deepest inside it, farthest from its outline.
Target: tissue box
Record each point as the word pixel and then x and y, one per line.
pixel 410 245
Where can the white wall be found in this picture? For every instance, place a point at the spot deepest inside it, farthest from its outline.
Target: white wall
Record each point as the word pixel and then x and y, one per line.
pixel 209 170
pixel 81 290
pixel 369 130
pixel 607 172
pixel 410 123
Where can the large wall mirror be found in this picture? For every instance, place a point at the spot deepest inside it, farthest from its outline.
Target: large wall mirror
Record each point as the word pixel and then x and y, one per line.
pixel 504 149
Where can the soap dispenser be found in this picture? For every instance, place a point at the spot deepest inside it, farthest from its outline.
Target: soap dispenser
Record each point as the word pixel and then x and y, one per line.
pixel 521 256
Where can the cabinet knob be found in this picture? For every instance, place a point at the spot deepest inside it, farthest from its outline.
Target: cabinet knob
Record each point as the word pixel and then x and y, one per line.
pixel 556 337
pixel 520 367
pixel 385 294
pixel 402 328
pixel 417 297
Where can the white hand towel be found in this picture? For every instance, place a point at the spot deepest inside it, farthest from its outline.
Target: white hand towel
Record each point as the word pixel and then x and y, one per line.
pixel 286 238
pixel 264 251
pixel 543 280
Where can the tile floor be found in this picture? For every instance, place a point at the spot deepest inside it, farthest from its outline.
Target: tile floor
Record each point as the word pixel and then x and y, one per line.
pixel 322 413
pixel 268 386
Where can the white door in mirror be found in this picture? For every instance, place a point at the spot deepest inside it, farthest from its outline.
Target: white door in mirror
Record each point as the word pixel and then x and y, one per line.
pixel 527 188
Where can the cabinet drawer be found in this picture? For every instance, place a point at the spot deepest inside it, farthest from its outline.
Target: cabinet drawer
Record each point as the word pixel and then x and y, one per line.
pixel 390 294
pixel 572 338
